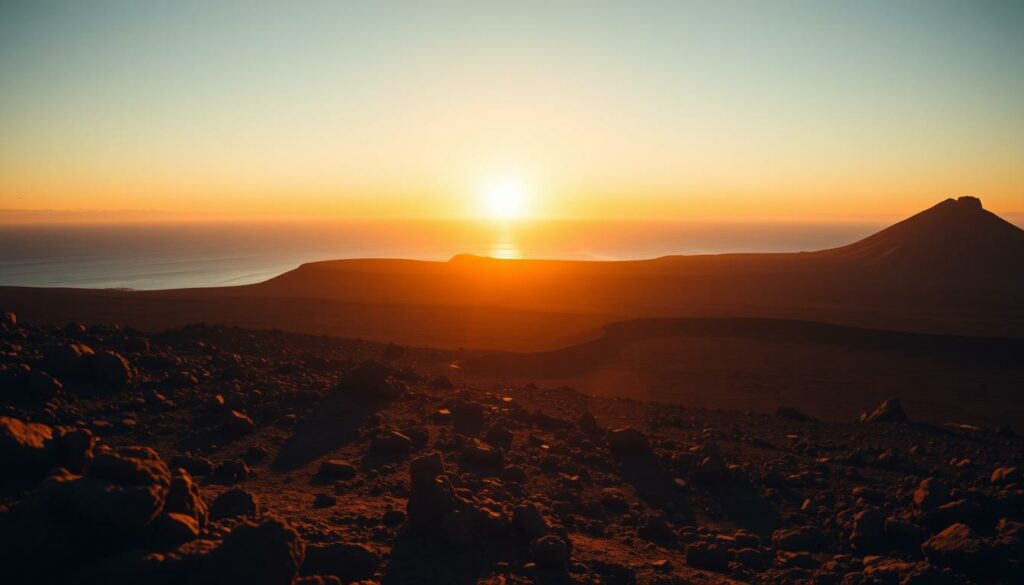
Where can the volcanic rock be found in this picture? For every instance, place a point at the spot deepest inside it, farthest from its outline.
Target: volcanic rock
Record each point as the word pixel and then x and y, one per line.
pixel 371 380
pixel 481 454
pixel 234 502
pixel 458 528
pixel 111 369
pixel 44 386
pixel 513 474
pixel 528 521
pixel 392 442
pixel 232 470
pixel 123 487
pixel 337 469
pixel 868 530
pixel 1005 475
pixel 73 360
pixel 266 553
pixel 238 423
pixel 957 547
pixel 707 555
pixel 550 552
pixel 804 538
pixel 349 562
pixel 27 450
pixel 184 497
pixel 432 494
pixel 170 530
pixel 888 411
pixel 930 493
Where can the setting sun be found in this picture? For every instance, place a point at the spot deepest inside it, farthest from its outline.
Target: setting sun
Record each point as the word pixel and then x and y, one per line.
pixel 505 200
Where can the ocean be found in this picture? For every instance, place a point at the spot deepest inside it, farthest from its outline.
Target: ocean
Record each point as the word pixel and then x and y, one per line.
pixel 170 255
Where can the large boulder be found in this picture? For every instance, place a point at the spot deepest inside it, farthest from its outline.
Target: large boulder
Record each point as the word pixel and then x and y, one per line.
pixel 431 495
pixel 123 487
pixel 27 450
pixel 959 548
pixel 266 553
pixel 71 360
pixel 44 386
pixel 184 497
pixel 111 369
pixel 69 520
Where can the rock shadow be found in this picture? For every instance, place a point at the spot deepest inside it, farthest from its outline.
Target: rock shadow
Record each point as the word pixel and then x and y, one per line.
pixel 328 426
pixel 654 484
pixel 745 507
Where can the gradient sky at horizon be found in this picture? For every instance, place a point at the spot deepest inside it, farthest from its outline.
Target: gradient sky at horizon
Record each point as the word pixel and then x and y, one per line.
pixel 603 110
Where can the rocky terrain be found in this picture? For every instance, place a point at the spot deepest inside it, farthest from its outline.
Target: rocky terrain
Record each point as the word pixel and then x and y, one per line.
pixel 221 455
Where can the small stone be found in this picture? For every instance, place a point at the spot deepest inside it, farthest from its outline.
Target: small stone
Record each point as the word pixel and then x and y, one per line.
pixel 337 469
pixel 1006 475
pixel 392 442
pixel 238 423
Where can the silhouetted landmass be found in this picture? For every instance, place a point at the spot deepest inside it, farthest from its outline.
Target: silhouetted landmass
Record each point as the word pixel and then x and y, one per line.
pixel 952 269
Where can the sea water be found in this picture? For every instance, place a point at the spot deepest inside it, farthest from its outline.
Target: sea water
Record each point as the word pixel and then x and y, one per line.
pixel 183 255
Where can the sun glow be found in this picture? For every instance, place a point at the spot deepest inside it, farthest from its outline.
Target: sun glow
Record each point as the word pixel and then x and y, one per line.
pixel 505 200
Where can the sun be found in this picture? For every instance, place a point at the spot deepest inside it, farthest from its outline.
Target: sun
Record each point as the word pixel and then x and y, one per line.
pixel 505 200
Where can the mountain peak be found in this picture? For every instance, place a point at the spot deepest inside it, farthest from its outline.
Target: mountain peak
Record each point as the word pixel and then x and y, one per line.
pixel 969 202
pixel 956 239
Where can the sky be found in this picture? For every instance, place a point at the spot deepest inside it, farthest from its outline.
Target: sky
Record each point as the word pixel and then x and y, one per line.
pixel 674 110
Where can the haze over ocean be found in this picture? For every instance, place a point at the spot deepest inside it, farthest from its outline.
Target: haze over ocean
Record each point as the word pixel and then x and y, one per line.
pixel 177 255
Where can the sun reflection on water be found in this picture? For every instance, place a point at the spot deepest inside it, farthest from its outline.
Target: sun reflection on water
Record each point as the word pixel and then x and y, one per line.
pixel 505 245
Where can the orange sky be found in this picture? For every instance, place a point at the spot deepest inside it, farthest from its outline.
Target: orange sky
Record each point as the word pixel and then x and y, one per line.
pixel 679 111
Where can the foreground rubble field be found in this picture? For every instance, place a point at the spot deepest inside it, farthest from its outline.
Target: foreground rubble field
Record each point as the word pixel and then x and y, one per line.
pixel 217 455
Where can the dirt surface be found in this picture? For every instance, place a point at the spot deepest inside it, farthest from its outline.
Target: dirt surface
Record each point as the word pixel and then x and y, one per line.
pixel 388 464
